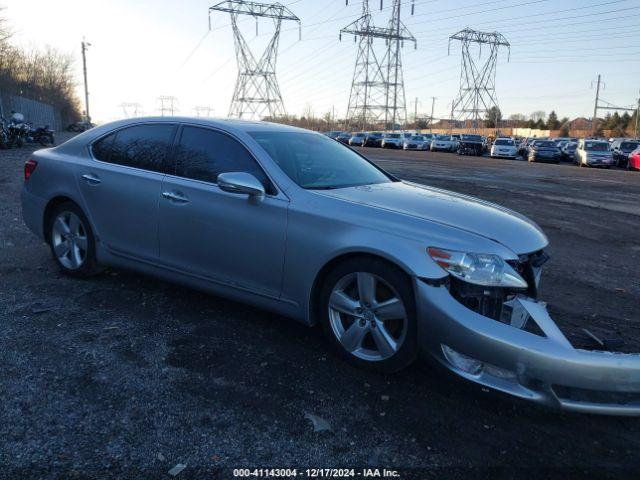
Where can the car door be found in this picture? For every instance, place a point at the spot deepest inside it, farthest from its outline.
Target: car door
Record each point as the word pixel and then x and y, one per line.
pixel 121 185
pixel 207 232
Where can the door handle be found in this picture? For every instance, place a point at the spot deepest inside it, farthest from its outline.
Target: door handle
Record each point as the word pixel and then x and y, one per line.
pixel 176 197
pixel 91 179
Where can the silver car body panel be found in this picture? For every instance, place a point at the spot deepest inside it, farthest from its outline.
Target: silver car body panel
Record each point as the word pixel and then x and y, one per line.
pixel 270 253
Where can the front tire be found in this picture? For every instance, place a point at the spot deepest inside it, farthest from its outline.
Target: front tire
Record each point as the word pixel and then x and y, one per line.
pixel 72 241
pixel 367 312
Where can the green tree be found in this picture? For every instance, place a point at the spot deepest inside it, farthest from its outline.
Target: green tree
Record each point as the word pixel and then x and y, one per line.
pixel 625 120
pixel 540 124
pixel 552 121
pixel 564 127
pixel 493 117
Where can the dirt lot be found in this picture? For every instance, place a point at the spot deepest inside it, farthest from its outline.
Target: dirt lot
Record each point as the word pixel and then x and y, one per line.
pixel 125 376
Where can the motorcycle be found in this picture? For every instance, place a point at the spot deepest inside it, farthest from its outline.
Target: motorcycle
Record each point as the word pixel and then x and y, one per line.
pixel 14 131
pixel 42 135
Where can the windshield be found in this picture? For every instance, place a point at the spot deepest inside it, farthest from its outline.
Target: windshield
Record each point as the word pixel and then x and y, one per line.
pixel 317 162
pixel 629 146
pixel 545 144
pixel 596 146
pixel 359 135
pixel 472 138
pixel 571 146
pixel 502 141
pixel 393 135
pixel 375 134
pixel 417 138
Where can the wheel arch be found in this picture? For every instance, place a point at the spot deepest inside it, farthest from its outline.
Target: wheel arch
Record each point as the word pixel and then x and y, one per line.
pixel 52 204
pixel 316 288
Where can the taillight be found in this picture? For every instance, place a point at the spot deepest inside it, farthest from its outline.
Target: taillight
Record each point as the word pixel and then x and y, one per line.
pixel 29 167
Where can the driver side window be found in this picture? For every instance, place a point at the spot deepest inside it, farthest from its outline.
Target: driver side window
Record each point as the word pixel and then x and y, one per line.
pixel 203 154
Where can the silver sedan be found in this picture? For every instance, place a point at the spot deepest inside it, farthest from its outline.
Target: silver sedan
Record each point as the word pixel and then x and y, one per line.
pixel 292 221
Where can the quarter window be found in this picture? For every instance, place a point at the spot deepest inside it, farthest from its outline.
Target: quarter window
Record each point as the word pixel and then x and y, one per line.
pixel 102 148
pixel 203 154
pixel 142 146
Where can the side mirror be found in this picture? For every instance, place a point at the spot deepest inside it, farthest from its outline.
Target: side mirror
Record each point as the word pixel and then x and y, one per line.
pixel 241 183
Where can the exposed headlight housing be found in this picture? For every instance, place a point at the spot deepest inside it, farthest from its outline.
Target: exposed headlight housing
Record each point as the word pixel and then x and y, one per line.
pixel 478 268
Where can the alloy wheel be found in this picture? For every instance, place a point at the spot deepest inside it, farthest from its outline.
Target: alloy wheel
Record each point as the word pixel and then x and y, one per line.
pixel 69 240
pixel 367 316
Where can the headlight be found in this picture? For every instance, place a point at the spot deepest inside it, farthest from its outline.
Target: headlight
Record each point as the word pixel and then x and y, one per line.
pixel 478 268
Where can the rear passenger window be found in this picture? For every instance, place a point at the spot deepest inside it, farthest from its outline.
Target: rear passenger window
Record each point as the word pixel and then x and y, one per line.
pixel 102 148
pixel 143 146
pixel 203 154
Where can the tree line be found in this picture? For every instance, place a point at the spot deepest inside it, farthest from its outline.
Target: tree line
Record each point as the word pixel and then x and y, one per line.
pixel 619 125
pixel 45 75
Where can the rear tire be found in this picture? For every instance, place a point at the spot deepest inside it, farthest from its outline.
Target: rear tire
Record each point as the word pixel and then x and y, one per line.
pixel 368 314
pixel 72 241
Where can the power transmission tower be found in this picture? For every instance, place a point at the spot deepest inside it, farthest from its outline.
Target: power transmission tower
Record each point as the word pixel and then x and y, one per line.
pixel 477 93
pixel 131 109
pixel 168 105
pixel 203 110
pixel 377 90
pixel 256 93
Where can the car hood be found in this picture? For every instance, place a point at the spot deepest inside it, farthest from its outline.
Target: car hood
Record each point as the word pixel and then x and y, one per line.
pixel 462 212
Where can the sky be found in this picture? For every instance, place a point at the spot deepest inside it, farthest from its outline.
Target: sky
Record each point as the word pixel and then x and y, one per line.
pixel 142 49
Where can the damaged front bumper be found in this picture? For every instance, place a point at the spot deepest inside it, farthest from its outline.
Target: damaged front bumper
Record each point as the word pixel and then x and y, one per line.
pixel 538 364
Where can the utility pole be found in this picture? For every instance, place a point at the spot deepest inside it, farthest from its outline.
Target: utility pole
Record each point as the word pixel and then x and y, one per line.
pixel 86 86
pixel 415 112
pixel 637 118
pixel 595 110
pixel 433 104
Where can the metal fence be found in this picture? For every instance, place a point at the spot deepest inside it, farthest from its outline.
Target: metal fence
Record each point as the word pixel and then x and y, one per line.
pixel 38 113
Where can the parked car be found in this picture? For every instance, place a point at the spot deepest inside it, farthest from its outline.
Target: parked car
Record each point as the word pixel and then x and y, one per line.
pixel 544 151
pixel 429 137
pixel 344 137
pixel 291 221
pixel 444 143
pixel 80 126
pixel 392 140
pixel 357 139
pixel 593 153
pixel 620 150
pixel 567 152
pixel 373 139
pixel 471 145
pixel 523 147
pixel 634 160
pixel 416 142
pixel 333 134
pixel 504 147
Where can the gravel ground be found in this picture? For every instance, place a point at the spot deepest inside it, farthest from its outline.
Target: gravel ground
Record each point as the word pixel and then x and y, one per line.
pixel 124 376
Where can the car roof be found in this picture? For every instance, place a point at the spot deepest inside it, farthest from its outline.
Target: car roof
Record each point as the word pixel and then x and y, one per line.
pixel 232 126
